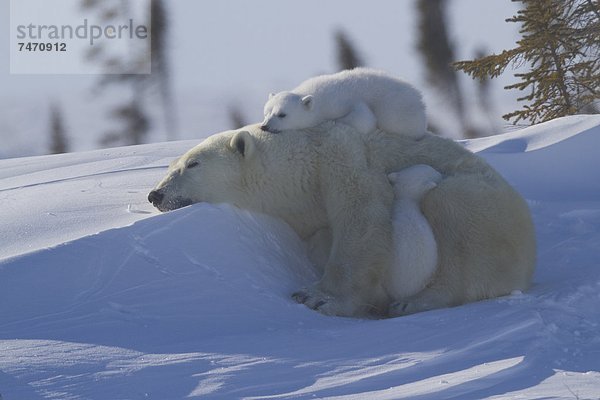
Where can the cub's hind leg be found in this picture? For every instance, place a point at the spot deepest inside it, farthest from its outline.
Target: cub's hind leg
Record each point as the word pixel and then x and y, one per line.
pixel 360 118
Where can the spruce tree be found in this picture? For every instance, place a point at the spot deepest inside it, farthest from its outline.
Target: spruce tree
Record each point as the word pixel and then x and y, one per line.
pixel 159 30
pixel 560 46
pixel 437 53
pixel 436 49
pixel 133 112
pixel 346 55
pixel 236 116
pixel 58 138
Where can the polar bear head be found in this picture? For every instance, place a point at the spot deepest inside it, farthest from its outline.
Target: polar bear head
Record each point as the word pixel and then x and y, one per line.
pixel 287 110
pixel 210 172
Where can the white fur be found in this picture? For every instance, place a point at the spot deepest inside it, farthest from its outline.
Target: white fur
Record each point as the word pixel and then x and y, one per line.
pixel 330 185
pixel 362 98
pixel 414 243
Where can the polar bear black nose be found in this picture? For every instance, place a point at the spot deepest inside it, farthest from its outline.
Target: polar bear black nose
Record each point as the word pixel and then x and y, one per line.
pixel 155 197
pixel 264 127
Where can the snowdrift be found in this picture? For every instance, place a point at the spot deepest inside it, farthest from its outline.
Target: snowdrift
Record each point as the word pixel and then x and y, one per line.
pixel 102 297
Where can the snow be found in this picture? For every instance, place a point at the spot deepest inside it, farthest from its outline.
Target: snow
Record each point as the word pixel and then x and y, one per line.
pixel 560 155
pixel 103 297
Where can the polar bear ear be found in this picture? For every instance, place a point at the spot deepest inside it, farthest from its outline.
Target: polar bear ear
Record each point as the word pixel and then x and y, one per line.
pixel 307 101
pixel 430 185
pixel 271 95
pixel 392 177
pixel 243 143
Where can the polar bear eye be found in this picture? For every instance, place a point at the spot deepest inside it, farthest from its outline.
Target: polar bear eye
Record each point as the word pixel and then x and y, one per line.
pixel 281 115
pixel 193 164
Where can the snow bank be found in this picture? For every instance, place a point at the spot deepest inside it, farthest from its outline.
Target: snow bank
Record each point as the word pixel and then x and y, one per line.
pixel 553 161
pixel 101 297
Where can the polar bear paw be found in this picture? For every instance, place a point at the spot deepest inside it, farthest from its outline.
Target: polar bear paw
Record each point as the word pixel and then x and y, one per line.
pixel 428 299
pixel 317 300
pixel 407 307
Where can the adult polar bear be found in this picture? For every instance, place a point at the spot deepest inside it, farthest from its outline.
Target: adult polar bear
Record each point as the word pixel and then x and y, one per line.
pixel 329 183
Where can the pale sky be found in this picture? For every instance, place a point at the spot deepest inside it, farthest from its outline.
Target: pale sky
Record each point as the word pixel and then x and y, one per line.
pixel 237 51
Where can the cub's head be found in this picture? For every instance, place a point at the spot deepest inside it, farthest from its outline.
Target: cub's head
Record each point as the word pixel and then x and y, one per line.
pixel 210 172
pixel 413 182
pixel 287 110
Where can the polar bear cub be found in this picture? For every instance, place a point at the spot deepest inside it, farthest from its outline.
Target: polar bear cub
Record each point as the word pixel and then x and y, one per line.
pixel 414 243
pixel 363 98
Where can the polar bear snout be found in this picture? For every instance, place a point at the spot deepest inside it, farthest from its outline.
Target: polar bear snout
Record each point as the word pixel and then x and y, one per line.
pixel 267 128
pixel 156 197
pixel 167 203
